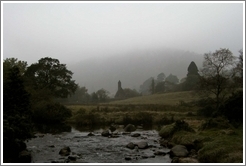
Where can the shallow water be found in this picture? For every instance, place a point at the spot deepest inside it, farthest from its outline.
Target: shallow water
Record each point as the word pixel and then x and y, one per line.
pixel 96 149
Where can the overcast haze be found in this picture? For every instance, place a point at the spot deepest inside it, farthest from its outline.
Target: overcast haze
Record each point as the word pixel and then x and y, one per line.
pixel 104 42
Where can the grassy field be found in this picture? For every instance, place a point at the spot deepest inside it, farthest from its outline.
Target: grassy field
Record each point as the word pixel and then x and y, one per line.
pixel 164 99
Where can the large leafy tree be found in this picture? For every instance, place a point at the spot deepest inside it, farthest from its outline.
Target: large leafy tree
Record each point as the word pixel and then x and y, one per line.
pixel 49 76
pixel 9 63
pixel 161 77
pixel 102 94
pixel 172 79
pixel 16 113
pixel 217 74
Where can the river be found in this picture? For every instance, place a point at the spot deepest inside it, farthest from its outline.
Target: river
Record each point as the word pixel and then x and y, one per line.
pixel 46 146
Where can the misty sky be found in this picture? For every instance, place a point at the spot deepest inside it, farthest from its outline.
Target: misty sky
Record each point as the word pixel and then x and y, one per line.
pixel 74 32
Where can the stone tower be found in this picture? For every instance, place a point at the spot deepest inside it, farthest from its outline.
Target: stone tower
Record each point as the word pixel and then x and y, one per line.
pixel 120 94
pixel 119 85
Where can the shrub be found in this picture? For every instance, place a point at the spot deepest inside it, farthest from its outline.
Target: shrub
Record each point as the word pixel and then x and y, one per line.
pixel 216 123
pixel 127 120
pixel 144 118
pixel 165 120
pixel 207 107
pixel 50 112
pixel 167 131
pixel 233 108
pixel 83 117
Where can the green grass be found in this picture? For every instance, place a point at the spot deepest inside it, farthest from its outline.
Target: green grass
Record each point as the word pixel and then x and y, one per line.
pixel 221 147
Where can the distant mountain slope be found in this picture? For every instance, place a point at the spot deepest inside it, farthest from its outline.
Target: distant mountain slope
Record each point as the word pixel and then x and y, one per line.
pixel 132 68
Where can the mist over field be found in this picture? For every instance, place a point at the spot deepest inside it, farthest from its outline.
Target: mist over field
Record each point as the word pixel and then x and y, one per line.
pixel 132 68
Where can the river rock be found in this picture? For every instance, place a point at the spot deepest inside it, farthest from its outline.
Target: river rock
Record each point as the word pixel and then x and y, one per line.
pixel 65 151
pixel 142 145
pixel 135 135
pixel 175 160
pixel 112 128
pixel 128 158
pixel 130 128
pixel 91 134
pixel 179 151
pixel 145 156
pixel 25 157
pixel 160 152
pixel 130 145
pixel 105 133
pixel 72 157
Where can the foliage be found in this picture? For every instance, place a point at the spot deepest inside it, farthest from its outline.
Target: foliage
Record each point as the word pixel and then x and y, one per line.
pixel 238 77
pixel 88 118
pixel 172 79
pixel 138 118
pixel 102 95
pixel 233 108
pixel 167 131
pixel 50 112
pixel 160 87
pixel 80 96
pixel 49 74
pixel 16 113
pixel 161 77
pixel 206 107
pixel 192 69
pixel 217 123
pixel 217 73
pixel 130 93
pixel 9 63
pixel 152 87
pixel 145 87
pixel 192 78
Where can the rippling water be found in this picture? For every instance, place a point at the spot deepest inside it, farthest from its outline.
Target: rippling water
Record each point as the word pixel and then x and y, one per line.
pixel 96 149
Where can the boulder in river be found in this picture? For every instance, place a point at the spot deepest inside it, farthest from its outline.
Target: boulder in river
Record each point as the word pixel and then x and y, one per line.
pixel 72 157
pixel 179 151
pixel 130 145
pixel 91 134
pixel 160 152
pixel 105 133
pixel 135 135
pixel 130 128
pixel 112 128
pixel 142 145
pixel 65 151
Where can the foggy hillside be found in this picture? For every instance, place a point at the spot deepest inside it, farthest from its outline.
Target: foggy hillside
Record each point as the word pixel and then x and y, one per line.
pixel 132 68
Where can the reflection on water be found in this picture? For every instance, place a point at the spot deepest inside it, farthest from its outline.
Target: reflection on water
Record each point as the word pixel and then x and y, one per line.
pixel 53 128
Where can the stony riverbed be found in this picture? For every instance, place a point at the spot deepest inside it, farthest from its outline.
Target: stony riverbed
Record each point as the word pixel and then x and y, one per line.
pixel 92 147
